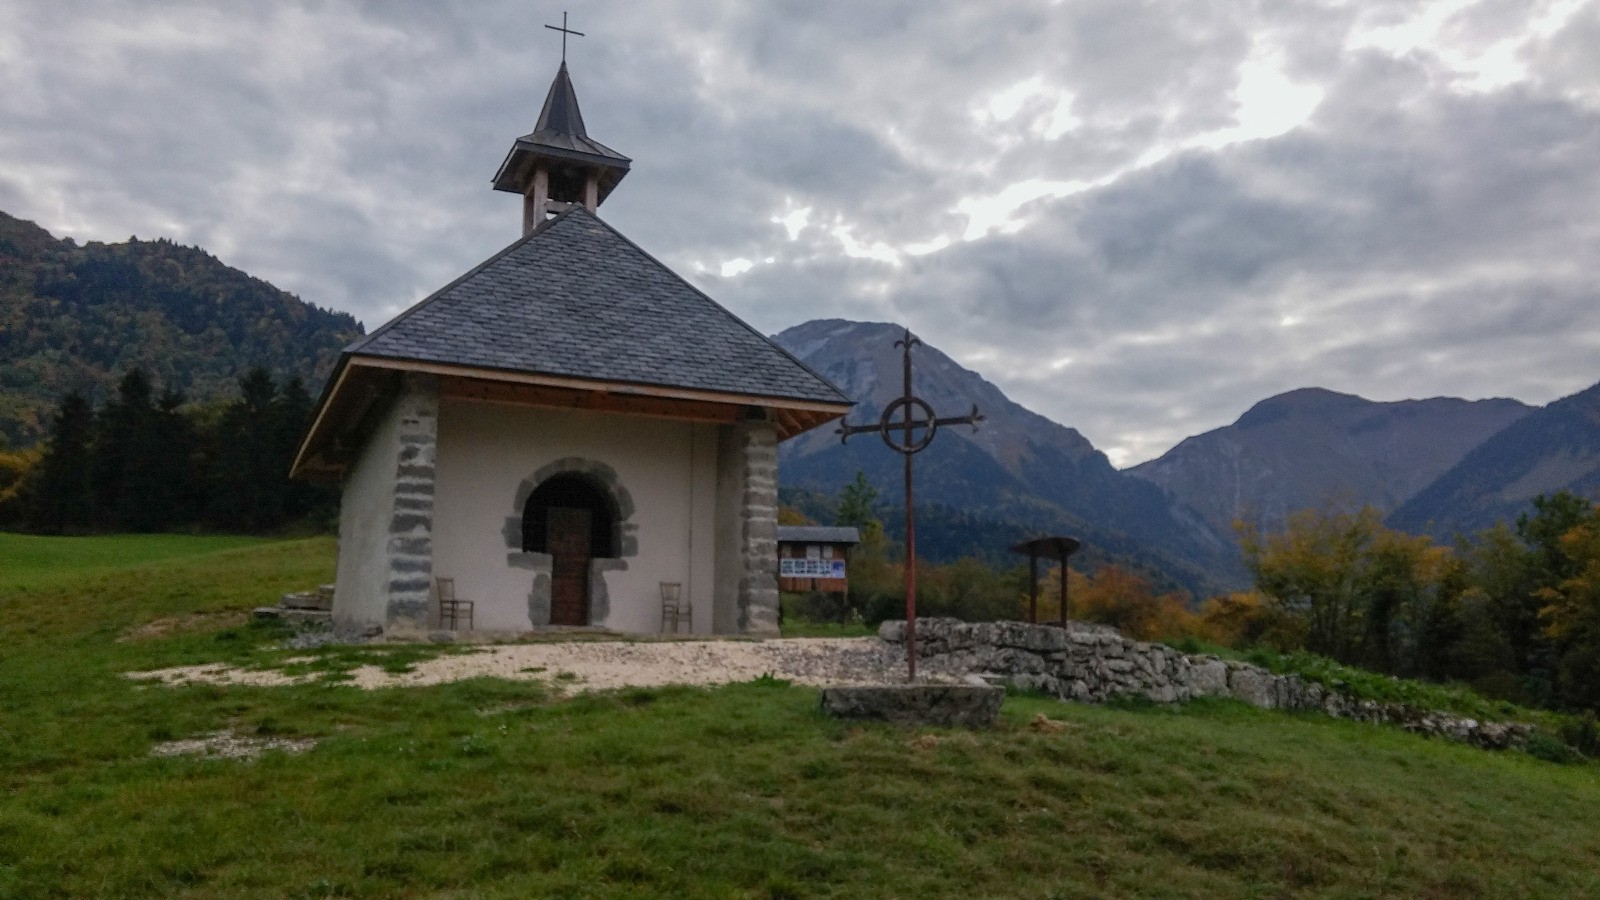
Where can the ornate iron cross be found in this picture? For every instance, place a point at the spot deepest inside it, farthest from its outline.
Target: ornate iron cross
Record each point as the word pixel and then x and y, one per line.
pixel 907 427
pixel 564 32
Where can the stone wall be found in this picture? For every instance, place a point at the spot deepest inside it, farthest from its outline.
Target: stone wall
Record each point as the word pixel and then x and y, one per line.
pixel 747 543
pixel 1094 663
pixel 410 546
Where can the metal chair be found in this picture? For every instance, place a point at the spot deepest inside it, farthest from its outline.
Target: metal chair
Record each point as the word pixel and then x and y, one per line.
pixel 452 608
pixel 673 609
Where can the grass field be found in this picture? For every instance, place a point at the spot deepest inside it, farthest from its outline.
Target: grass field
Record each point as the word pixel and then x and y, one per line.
pixel 492 789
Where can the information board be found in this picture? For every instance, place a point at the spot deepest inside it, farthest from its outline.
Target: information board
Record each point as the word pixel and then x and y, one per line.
pixel 811 568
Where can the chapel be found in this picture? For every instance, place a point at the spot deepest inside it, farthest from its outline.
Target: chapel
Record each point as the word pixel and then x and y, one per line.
pixel 567 435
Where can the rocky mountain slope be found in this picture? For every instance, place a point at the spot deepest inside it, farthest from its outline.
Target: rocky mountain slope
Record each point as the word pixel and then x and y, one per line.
pixel 1314 447
pixel 1551 449
pixel 78 317
pixel 1018 467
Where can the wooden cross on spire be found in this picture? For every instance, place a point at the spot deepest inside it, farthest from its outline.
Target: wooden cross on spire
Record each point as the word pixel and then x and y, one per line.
pixel 564 32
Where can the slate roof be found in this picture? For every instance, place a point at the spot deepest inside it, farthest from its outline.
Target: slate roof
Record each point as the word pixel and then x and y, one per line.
pixel 577 299
pixel 818 534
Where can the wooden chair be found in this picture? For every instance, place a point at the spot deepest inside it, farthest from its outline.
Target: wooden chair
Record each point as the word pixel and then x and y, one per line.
pixel 452 608
pixel 674 609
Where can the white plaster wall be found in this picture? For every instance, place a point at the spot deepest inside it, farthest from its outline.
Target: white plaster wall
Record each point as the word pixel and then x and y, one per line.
pixel 729 530
pixel 366 506
pixel 485 452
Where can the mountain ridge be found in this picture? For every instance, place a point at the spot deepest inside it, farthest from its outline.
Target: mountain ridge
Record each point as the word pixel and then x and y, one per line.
pixel 1556 448
pixel 1017 466
pixel 78 317
pixel 1314 447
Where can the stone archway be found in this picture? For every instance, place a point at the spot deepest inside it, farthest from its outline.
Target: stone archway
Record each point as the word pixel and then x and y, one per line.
pixel 571 524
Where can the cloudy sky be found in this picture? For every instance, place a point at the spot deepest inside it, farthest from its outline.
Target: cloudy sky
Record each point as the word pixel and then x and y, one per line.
pixel 1137 218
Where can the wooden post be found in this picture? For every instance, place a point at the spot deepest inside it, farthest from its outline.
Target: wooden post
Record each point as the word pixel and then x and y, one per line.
pixel 533 205
pixel 591 193
pixel 1064 590
pixel 1033 587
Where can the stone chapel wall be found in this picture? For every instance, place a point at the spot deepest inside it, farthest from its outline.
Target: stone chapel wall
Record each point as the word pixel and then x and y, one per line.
pixel 384 573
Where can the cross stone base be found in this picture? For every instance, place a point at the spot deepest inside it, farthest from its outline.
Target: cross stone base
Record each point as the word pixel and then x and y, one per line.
pixel 948 705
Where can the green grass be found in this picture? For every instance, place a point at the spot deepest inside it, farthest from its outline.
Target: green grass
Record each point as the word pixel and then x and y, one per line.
pixel 1368 685
pixel 29 561
pixel 793 627
pixel 487 788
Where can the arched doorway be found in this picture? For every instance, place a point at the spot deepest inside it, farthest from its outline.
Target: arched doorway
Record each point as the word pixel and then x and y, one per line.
pixel 573 519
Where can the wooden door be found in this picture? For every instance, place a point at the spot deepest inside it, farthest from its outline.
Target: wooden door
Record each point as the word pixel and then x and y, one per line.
pixel 567 533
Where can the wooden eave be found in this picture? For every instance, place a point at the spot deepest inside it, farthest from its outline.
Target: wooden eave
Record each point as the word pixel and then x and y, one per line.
pixel 364 385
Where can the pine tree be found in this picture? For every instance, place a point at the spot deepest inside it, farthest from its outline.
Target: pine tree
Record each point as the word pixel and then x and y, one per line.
pixel 855 502
pixel 291 414
pixel 246 483
pixel 59 499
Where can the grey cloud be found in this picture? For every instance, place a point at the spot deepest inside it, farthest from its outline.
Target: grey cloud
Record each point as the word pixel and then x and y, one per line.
pixel 1420 239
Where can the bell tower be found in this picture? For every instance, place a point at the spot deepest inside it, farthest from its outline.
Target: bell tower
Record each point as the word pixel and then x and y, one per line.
pixel 558 164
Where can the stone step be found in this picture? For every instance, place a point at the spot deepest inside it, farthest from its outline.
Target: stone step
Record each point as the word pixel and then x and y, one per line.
pixel 321 598
pixel 292 616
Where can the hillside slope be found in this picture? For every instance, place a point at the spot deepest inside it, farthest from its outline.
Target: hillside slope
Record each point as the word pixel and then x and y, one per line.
pixel 1552 449
pixel 513 787
pixel 1017 467
pixel 78 317
pixel 1312 447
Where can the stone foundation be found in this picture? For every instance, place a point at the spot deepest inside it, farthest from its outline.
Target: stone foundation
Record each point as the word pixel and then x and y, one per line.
pixel 1094 663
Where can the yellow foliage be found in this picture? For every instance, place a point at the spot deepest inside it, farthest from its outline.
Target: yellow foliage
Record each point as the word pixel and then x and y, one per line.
pixel 1247 619
pixel 1573 607
pixel 788 515
pixel 1117 597
pixel 14 469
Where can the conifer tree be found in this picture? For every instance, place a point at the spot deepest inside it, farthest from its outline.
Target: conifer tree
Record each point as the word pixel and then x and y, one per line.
pixel 245 483
pixel 291 414
pixel 59 499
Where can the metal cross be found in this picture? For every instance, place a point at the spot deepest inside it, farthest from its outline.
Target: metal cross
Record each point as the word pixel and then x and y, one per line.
pixel 564 32
pixel 907 427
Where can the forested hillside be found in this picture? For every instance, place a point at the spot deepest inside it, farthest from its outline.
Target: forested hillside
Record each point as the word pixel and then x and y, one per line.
pixel 77 318
pixel 1556 448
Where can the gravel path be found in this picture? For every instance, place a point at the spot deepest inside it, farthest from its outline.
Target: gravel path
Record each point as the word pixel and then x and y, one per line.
pixel 603 665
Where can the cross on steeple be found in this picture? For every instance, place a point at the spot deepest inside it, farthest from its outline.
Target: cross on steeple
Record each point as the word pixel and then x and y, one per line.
pixel 564 32
pixel 557 165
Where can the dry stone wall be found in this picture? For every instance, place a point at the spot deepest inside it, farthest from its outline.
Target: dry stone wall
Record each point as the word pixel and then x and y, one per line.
pixel 1095 663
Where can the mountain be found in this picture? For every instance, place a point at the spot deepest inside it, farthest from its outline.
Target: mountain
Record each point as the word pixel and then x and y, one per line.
pixel 1018 467
pixel 1551 449
pixel 1314 447
pixel 78 317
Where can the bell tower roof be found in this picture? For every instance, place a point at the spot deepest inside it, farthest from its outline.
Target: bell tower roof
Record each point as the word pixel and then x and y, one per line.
pixel 560 113
pixel 561 147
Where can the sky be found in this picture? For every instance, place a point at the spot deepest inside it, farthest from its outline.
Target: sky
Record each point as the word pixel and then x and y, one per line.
pixel 1136 217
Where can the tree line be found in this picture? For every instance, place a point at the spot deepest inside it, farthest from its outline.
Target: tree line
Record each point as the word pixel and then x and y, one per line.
pixel 1513 612
pixel 147 461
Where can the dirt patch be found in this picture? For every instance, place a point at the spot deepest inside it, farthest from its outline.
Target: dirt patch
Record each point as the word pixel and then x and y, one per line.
pixel 179 624
pixel 228 745
pixel 221 673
